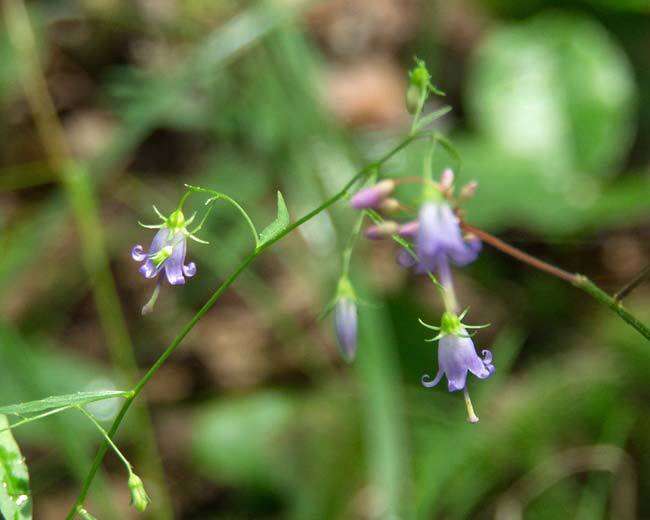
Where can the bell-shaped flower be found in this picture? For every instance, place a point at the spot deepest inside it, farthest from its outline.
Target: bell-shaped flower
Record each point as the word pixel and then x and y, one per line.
pixel 166 253
pixel 439 238
pixel 457 357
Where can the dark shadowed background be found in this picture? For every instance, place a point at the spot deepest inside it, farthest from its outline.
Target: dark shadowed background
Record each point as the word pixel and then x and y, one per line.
pixel 256 416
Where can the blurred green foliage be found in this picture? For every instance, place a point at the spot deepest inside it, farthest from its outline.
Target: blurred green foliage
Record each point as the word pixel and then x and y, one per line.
pixel 255 415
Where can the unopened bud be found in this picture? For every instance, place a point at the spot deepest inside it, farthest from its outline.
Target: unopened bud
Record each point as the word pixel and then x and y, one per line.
pixel 409 230
pixel 468 191
pixel 139 498
pixel 389 205
pixel 384 230
pixel 373 196
pixel 446 180
pixel 413 95
pixel 345 326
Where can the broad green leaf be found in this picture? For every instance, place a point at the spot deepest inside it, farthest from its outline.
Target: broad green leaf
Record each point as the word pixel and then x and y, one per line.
pixel 15 496
pixel 58 401
pixel 278 225
pixel 556 89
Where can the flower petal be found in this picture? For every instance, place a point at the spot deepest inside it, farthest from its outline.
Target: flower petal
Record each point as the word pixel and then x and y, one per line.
pixel 189 270
pixel 137 253
pixel 159 241
pixel 149 270
pixel 427 382
pixel 174 264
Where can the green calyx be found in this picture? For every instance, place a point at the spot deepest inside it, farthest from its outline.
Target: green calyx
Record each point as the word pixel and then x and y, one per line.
pixel 420 78
pixel 176 220
pixel 345 289
pixel 451 324
pixel 430 193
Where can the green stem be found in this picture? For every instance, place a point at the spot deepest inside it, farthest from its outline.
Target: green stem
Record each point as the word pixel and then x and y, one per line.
pixel 347 252
pixel 210 303
pixel 584 283
pixel 117 451
pixel 222 196
pixel 633 284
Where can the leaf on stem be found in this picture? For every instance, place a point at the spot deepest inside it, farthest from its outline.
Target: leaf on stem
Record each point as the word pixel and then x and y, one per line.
pixel 58 401
pixel 433 116
pixel 278 225
pixel 15 496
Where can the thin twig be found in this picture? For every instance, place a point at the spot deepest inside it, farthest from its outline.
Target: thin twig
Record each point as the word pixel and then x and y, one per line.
pixel 633 284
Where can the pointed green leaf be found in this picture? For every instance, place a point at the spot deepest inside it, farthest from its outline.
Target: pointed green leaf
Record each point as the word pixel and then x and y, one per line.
pixel 15 496
pixel 433 116
pixel 278 225
pixel 58 401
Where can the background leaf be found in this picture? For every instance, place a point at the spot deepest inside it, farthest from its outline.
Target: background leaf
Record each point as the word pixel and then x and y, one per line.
pixel 15 495
pixel 58 401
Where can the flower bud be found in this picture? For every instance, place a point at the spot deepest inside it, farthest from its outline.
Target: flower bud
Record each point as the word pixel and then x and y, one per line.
pixel 373 196
pixel 389 205
pixel 345 324
pixel 380 231
pixel 413 94
pixel 446 180
pixel 139 497
pixel 468 191
pixel 409 230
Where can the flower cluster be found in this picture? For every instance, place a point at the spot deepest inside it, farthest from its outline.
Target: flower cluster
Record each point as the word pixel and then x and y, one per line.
pixel 438 243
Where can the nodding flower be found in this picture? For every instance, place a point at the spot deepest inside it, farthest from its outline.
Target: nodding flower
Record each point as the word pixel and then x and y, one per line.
pixel 439 239
pixel 166 253
pixel 457 356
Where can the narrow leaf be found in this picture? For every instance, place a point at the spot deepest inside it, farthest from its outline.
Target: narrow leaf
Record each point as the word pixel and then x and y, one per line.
pixel 278 225
pixel 430 118
pixel 15 496
pixel 58 401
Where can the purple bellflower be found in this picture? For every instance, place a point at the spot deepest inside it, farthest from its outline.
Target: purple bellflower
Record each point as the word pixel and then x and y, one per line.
pixel 439 239
pixel 457 356
pixel 166 253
